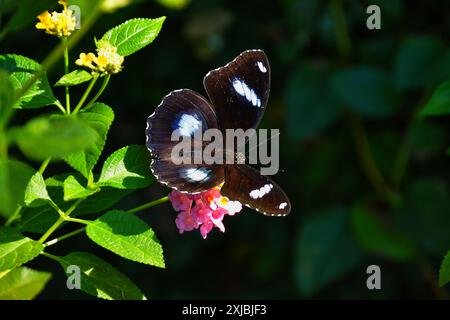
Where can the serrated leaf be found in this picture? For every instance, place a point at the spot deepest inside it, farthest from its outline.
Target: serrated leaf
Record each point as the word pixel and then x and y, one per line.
pixel 15 249
pixel 98 117
pixel 133 34
pixel 55 137
pixel 39 219
pixel 14 178
pixel 36 193
pixel 21 70
pixel 100 279
pixel 378 238
pixel 444 271
pixel 74 190
pixel 439 103
pixel 127 168
pixel 366 90
pixel 23 284
pixel 324 240
pixel 6 97
pixel 127 236
pixel 73 78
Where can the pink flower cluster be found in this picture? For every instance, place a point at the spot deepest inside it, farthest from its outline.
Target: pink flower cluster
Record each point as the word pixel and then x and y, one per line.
pixel 203 210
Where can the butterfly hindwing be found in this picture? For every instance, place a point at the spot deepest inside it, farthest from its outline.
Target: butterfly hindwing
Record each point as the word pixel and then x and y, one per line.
pixel 186 111
pixel 248 186
pixel 239 90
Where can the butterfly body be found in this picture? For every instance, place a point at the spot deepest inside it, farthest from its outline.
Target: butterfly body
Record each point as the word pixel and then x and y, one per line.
pixel 238 93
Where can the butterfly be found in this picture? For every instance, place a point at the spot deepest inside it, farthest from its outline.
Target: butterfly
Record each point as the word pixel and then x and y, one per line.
pixel 238 92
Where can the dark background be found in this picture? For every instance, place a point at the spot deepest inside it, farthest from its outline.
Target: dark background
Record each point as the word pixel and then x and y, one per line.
pixel 344 105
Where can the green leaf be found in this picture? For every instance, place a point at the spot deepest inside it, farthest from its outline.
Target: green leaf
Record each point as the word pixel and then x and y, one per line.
pixel 6 97
pixel 15 249
pixel 444 271
pixel 39 219
pixel 439 103
pixel 324 251
pixel 377 237
pixel 21 70
pixel 99 117
pixel 14 178
pixel 133 34
pixel 417 60
pixel 127 168
pixel 310 107
pixel 424 213
pixel 23 284
pixel 36 193
pixel 127 236
pixel 73 78
pixel 100 279
pixel 74 190
pixel 54 137
pixel 366 90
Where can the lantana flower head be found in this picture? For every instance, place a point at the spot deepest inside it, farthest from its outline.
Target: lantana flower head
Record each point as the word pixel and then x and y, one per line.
pixel 60 24
pixel 107 60
pixel 203 211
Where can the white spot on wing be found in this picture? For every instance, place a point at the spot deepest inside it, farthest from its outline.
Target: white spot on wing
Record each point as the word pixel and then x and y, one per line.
pixel 282 205
pixel 243 89
pixel 196 174
pixel 188 125
pixel 261 66
pixel 261 192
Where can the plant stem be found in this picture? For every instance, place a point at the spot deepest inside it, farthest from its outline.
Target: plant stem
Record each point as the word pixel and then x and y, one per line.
pixel 66 71
pixel 44 165
pixel 149 204
pixel 431 278
pixel 14 216
pixel 365 156
pixel 85 94
pixel 63 216
pixel 78 231
pixel 342 37
pixel 51 256
pixel 100 91
pixel 65 236
pixel 60 106
pixel 58 52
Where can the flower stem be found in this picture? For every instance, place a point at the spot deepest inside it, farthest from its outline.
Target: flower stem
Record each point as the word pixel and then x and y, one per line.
pixel 58 52
pixel 149 204
pixel 85 94
pixel 66 71
pixel 100 91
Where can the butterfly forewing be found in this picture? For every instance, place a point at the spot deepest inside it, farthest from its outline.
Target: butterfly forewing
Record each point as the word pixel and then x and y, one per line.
pixel 188 112
pixel 239 90
pixel 248 186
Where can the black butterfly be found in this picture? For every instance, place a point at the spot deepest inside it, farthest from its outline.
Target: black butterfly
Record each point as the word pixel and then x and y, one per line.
pixel 238 92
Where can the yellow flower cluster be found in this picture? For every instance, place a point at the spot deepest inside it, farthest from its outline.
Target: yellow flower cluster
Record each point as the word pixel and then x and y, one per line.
pixel 59 24
pixel 107 60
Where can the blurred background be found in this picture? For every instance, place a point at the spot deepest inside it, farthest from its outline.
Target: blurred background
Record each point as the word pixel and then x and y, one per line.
pixel 367 177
